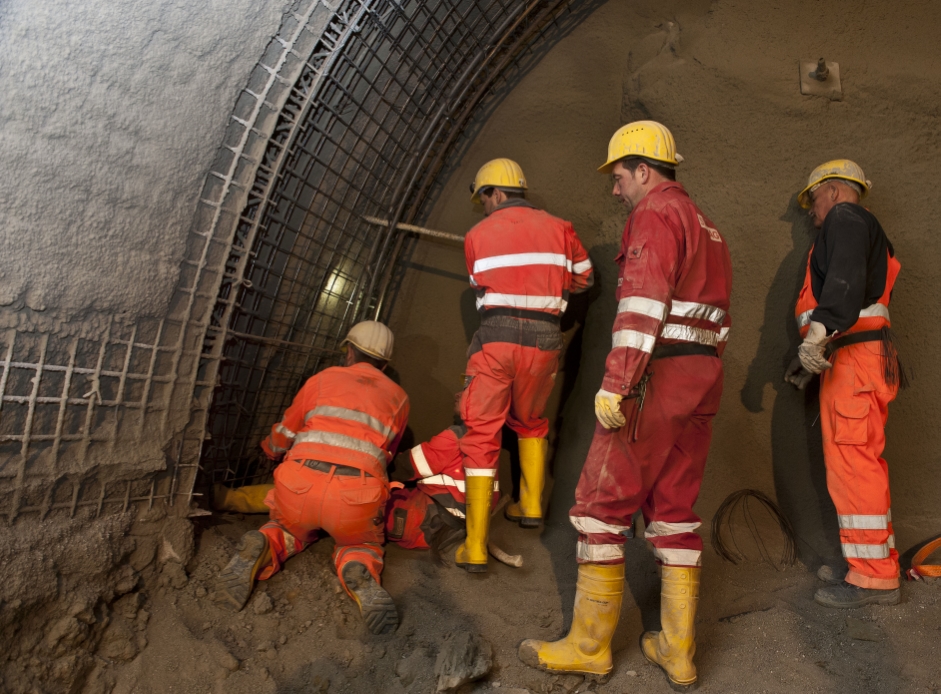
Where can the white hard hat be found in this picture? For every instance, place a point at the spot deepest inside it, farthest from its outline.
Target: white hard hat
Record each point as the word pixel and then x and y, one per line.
pixel 372 338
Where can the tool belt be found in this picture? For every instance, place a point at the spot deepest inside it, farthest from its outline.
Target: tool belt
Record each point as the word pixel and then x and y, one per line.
pixel 684 349
pixel 854 339
pixel 496 326
pixel 522 313
pixel 342 470
pixel 892 370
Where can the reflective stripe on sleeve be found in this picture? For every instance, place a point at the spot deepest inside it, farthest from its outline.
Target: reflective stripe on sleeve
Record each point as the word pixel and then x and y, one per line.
pixel 643 306
pixel 579 268
pixel 284 431
pixel 663 528
pixel 350 415
pixel 864 522
pixel 678 557
pixel 276 449
pixel 522 301
pixel 329 438
pixel 587 552
pixel 858 551
pixel 420 462
pixel 891 541
pixel 587 526
pixel 690 309
pixel 521 260
pixel 687 333
pixel 633 338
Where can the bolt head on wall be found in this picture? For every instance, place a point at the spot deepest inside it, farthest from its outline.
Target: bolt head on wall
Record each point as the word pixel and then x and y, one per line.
pixel 821 78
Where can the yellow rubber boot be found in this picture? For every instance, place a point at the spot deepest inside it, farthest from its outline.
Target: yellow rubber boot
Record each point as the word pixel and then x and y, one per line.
pixel 250 499
pixel 673 648
pixel 528 510
pixel 586 649
pixel 471 555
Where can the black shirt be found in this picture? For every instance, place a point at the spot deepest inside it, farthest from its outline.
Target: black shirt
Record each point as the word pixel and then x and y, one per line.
pixel 848 265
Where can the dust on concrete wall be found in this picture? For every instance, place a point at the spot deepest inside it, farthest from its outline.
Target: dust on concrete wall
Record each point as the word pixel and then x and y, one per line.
pixel 112 114
pixel 724 77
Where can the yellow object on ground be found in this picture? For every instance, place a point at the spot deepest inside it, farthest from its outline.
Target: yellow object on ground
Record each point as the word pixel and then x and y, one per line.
pixel 587 647
pixel 839 169
pixel 498 173
pixel 250 499
pixel 673 648
pixel 471 555
pixel 644 138
pixel 528 511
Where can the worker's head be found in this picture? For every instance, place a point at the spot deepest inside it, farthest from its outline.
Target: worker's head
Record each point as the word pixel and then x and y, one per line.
pixel 831 183
pixel 641 156
pixel 370 342
pixel 496 182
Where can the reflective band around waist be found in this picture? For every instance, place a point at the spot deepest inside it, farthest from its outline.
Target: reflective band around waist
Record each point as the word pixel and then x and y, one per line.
pixel 420 462
pixel 351 416
pixel 857 551
pixel 690 309
pixel 592 553
pixel 329 438
pixel 521 260
pixel 633 338
pixel 284 431
pixel 522 301
pixel 864 522
pixel 873 311
pixel 643 306
pixel 663 528
pixel 687 333
pixel 678 557
pixel 587 526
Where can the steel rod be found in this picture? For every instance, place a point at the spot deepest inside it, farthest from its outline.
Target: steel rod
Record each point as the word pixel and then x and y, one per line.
pixel 424 231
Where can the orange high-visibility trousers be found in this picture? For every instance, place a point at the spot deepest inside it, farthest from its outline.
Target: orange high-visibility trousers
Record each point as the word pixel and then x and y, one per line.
pixel 305 502
pixel 854 401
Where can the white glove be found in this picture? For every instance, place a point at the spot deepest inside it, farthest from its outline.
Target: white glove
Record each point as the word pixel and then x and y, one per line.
pixel 797 375
pixel 607 409
pixel 811 351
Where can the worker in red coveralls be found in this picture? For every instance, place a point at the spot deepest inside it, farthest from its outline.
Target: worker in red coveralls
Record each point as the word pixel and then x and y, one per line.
pixel 336 440
pixel 843 316
pixel 523 263
pixel 661 389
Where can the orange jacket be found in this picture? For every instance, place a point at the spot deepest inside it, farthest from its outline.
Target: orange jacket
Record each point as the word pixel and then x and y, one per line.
pixel 345 415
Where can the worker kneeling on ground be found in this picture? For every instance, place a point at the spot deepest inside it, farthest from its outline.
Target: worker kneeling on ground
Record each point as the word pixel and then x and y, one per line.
pixel 661 390
pixel 336 439
pixel 843 315
pixel 523 263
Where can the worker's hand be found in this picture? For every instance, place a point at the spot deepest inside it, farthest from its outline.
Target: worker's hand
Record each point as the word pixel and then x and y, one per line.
pixel 797 375
pixel 812 352
pixel 608 411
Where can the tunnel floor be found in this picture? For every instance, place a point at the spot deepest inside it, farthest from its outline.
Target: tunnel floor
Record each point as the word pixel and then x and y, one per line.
pixel 758 628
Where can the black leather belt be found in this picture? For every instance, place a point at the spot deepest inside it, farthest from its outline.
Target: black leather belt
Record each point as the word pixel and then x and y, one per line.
pixel 522 313
pixel 683 350
pixel 854 339
pixel 344 470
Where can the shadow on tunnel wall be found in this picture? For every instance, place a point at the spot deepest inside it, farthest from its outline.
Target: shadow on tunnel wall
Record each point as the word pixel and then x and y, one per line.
pixel 796 443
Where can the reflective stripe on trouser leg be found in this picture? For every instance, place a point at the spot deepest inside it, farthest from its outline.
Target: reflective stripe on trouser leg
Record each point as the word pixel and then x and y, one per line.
pixel 853 427
pixel 675 544
pixel 369 555
pixel 283 546
pixel 598 542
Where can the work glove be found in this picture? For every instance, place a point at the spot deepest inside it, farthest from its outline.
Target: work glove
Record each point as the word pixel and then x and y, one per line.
pixel 608 410
pixel 797 375
pixel 812 351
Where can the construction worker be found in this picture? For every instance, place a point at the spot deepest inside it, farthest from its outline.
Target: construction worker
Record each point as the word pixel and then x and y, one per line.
pixel 335 439
pixel 523 263
pixel 661 389
pixel 843 315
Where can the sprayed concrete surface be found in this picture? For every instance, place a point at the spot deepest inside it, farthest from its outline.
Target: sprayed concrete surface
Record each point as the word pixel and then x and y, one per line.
pixel 111 115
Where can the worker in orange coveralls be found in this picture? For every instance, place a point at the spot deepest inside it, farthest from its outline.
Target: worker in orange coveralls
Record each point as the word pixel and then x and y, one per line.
pixel 661 390
pixel 843 316
pixel 336 440
pixel 523 263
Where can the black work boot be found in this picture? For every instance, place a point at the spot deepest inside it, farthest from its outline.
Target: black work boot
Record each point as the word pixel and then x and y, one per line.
pixel 847 596
pixel 832 574
pixel 375 603
pixel 234 584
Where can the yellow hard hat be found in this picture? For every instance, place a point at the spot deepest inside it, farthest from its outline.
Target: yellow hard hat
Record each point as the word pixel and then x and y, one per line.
pixel 372 338
pixel 644 138
pixel 499 173
pixel 838 168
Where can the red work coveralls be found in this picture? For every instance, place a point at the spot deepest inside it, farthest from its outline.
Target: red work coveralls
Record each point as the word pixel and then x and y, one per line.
pixel 854 407
pixel 523 262
pixel 674 289
pixel 438 465
pixel 336 438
